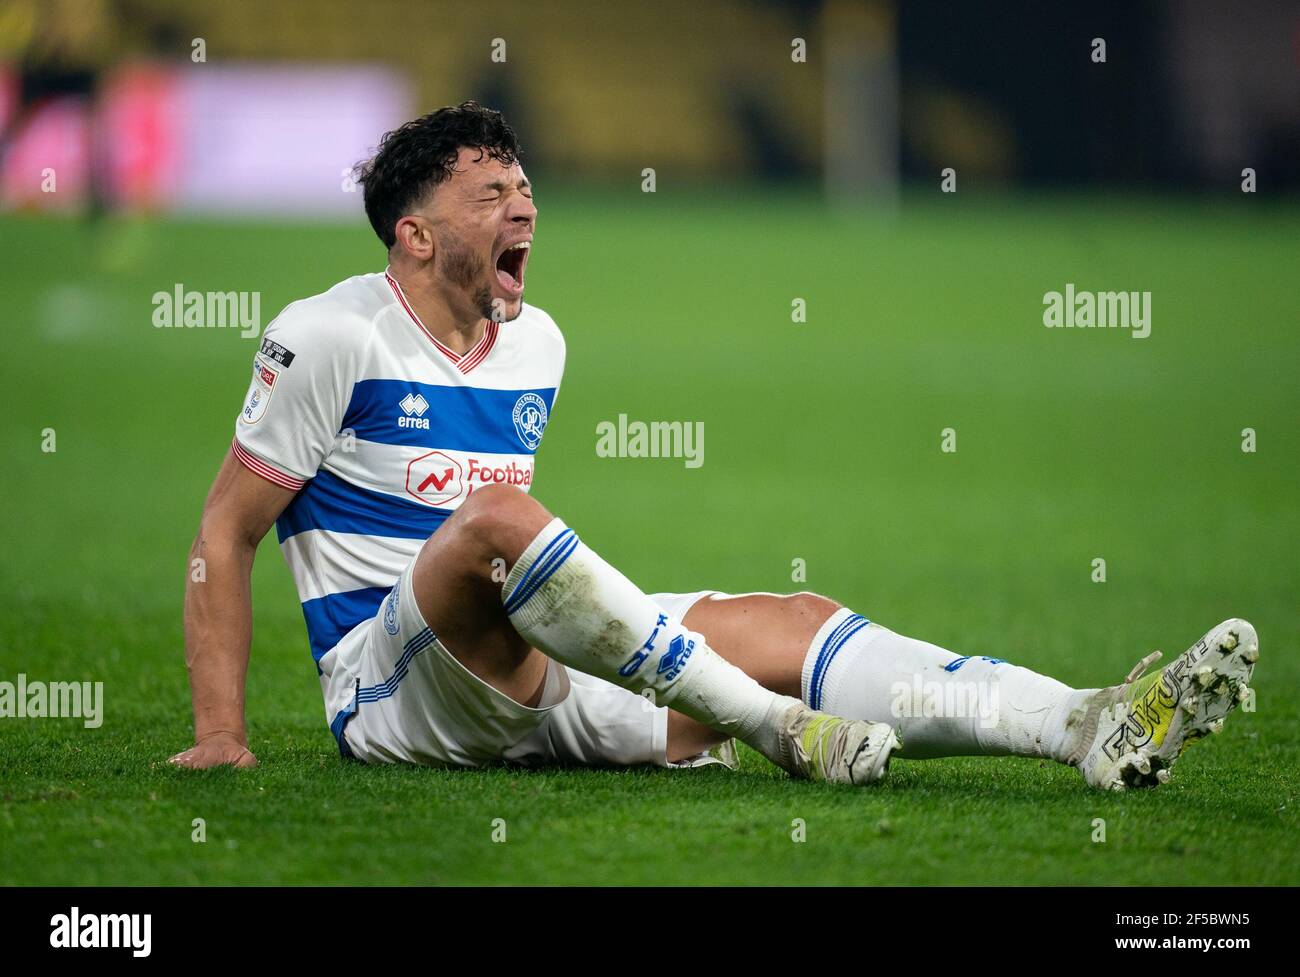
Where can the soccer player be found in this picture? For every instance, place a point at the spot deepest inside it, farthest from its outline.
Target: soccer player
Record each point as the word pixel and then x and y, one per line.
pixel 389 433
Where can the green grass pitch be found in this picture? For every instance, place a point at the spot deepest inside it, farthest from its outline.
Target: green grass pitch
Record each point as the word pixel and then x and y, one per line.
pixel 822 445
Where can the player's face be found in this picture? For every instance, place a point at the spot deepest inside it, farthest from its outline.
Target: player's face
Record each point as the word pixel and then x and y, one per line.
pixel 483 234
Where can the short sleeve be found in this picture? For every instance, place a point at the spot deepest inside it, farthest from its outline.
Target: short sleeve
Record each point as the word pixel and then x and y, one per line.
pixel 296 397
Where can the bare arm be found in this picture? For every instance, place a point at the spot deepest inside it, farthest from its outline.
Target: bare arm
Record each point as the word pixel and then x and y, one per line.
pixel 240 508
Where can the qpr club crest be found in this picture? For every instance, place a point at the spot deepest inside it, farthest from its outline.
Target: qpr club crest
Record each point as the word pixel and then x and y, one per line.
pixel 530 420
pixel 390 610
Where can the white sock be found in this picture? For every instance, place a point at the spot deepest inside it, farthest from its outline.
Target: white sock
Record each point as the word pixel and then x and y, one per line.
pixel 579 610
pixel 941 703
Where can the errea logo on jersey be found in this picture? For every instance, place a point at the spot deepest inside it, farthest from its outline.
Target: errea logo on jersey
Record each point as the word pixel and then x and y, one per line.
pixel 413 407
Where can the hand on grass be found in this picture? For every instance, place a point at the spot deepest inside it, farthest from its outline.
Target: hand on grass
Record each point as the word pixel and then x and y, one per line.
pixel 214 750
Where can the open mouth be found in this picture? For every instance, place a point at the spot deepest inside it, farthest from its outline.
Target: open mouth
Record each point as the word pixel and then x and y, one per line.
pixel 510 267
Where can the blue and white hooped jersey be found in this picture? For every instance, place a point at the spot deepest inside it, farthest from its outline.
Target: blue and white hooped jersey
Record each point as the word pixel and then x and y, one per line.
pixel 383 432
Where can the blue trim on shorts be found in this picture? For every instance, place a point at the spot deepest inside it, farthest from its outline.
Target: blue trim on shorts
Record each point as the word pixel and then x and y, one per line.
pixel 339 723
pixel 384 690
pixel 388 687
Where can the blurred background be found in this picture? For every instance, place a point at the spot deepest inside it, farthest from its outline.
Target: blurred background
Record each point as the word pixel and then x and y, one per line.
pixel 261 106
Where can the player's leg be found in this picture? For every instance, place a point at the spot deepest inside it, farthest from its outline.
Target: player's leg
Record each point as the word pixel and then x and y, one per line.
pixel 810 646
pixel 762 634
pixel 945 704
pixel 456 581
pixel 564 600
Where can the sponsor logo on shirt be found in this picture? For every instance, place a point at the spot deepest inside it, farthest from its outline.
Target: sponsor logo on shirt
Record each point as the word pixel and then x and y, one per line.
pixel 438 479
pixel 413 407
pixel 434 479
pixel 508 474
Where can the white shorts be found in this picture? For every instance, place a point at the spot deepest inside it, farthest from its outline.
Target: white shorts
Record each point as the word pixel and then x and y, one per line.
pixel 393 694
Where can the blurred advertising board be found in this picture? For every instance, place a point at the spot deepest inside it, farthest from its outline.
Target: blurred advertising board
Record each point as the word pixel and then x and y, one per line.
pixel 240 139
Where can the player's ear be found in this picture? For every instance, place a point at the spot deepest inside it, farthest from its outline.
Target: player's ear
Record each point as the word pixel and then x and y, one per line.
pixel 415 237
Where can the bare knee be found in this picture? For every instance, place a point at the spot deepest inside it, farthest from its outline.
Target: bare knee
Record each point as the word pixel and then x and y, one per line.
pixel 460 569
pixel 781 618
pixel 497 521
pixel 809 608
pixel 765 635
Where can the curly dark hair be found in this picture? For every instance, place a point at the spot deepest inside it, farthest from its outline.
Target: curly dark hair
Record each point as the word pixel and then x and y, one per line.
pixel 416 157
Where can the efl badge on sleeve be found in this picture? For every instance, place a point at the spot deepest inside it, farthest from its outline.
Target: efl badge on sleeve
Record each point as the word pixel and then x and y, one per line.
pixel 259 393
